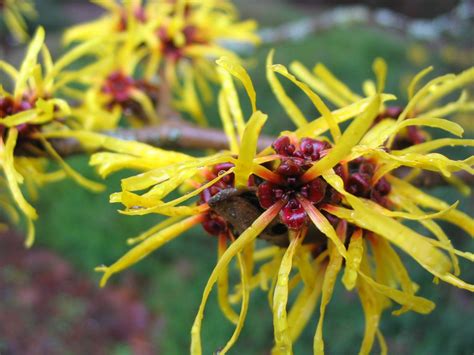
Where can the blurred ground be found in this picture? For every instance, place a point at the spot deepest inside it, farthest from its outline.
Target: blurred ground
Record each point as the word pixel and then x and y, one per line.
pixel 48 303
pixel 47 307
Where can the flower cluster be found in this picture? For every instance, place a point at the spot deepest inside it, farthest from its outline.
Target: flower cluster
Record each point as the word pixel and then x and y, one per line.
pixel 325 203
pixel 27 115
pixel 120 75
pixel 166 44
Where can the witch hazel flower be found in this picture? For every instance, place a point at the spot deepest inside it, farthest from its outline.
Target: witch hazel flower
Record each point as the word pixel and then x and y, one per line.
pixel 33 108
pixel 333 197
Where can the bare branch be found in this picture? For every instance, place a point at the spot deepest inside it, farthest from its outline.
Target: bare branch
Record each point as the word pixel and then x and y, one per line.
pixel 171 134
pixel 178 134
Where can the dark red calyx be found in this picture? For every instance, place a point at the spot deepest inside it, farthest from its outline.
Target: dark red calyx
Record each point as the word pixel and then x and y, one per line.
pixel 415 135
pixel 119 86
pixel 170 50
pixel 360 181
pixel 331 218
pixel 314 190
pixel 222 168
pixel 383 186
pixel 390 112
pixel 359 184
pixel 266 194
pixel 293 214
pixel 9 107
pixel 6 106
pixel 224 183
pixel 168 46
pixel 291 167
pixel 283 146
pixel 312 148
pixel 26 129
pixel 214 224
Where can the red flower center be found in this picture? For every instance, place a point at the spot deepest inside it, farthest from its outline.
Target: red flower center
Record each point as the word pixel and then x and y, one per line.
pixel 213 223
pixel 139 14
pixel 9 107
pixel 412 135
pixel 168 46
pixel 295 159
pixel 119 87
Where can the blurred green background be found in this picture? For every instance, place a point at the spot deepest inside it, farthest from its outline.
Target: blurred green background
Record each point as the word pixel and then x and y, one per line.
pixel 86 230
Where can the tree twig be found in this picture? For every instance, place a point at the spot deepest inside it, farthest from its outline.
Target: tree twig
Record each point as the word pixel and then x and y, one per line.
pixel 171 134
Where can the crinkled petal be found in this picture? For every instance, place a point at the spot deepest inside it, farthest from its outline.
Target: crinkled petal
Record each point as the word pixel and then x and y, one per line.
pixel 147 246
pixel 244 239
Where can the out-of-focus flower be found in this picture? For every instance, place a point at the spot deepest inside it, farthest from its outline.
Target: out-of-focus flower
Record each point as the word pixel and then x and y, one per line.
pixel 177 39
pixel 325 203
pixel 114 90
pixel 30 110
pixel 121 17
pixel 14 13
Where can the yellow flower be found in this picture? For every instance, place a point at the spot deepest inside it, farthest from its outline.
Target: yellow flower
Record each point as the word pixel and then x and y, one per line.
pixel 177 40
pixel 14 13
pixel 115 90
pixel 121 17
pixel 187 35
pixel 32 109
pixel 320 200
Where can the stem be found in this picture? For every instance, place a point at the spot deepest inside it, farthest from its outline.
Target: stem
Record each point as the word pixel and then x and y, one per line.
pixel 171 134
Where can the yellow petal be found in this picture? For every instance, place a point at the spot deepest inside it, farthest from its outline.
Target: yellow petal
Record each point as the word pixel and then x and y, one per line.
pixel 12 176
pixel 244 239
pixel 349 139
pixel 354 257
pixel 153 230
pixel 331 81
pixel 227 123
pixel 248 148
pixel 81 180
pixel 437 92
pixel 29 62
pixel 315 99
pixel 283 343
pixel 147 246
pixel 285 101
pixel 319 125
pixel 419 197
pixel 415 303
pixel 223 285
pixel 244 275
pixel 302 310
pixel 317 84
pixel 380 69
pixel 240 73
pixel 372 312
pixel 416 79
pixel 408 240
pixel 332 270
pixel 323 225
